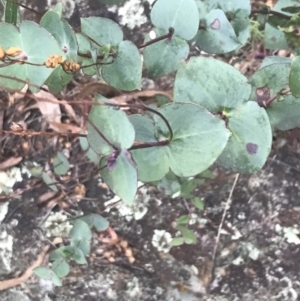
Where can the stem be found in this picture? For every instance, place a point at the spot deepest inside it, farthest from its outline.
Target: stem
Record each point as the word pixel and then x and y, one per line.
pixel 265 104
pixel 101 134
pixel 163 37
pixel 147 144
pixel 271 12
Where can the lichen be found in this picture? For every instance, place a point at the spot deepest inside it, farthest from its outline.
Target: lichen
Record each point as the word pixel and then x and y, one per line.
pixel 161 240
pixel 56 225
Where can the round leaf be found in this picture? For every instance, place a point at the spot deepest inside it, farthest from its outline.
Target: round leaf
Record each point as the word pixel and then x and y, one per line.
pixel 125 72
pixel 267 82
pixel 79 257
pixel 96 220
pixel 102 30
pixel 36 75
pixel 197 81
pixel 181 15
pixel 114 125
pixel 61 268
pixel 250 144
pixel 163 57
pixel 62 32
pixel 80 236
pixel 152 162
pixel 84 45
pixel 218 36
pixel 122 179
pixel 198 137
pixel 294 79
pixel 47 274
pixel 81 230
pixel 177 241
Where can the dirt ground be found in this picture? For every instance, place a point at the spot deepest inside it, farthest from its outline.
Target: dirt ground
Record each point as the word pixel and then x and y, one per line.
pixel 259 247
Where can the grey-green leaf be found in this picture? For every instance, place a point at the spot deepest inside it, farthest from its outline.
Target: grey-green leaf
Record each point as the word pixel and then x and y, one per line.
pixel 102 30
pixel 218 36
pixel 250 144
pixel 125 72
pixel 47 274
pixel 114 125
pixel 163 57
pixel 199 137
pixel 197 81
pixel 122 178
pixel 181 15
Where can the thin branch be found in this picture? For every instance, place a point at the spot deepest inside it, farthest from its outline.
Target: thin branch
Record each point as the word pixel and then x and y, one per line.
pixel 163 37
pixel 100 133
pixel 270 12
pixel 265 104
pixel 227 206
pixel 33 133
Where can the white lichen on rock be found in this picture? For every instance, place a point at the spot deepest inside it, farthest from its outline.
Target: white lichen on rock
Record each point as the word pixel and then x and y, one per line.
pixel 137 210
pixel 6 246
pixel 56 225
pixel 131 13
pixel 133 289
pixel 161 240
pixel 8 179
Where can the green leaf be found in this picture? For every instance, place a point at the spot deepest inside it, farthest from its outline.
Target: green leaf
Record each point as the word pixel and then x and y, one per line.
pixel 62 32
pixel 218 36
pixel 80 236
pixel 114 125
pixel 177 241
pixel 169 184
pixel 152 162
pixel 96 220
pixel 198 203
pixel 236 12
pixel 81 230
pixel 61 164
pixel 181 15
pixel 90 153
pixel 197 81
pixel 294 78
pixel 49 181
pixel 79 257
pixel 61 268
pixel 11 12
pixel 184 219
pixel 63 252
pixel 250 144
pixel 65 36
pixel 274 37
pixel 47 274
pixel 188 235
pixel 198 140
pixel 85 47
pixel 102 30
pixel 163 57
pixel 189 186
pixel 198 137
pixel 266 83
pixel 120 175
pixel 272 60
pixel 125 72
pixel 36 50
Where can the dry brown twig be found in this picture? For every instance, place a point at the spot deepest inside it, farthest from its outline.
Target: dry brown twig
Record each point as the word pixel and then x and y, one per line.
pixel 6 284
